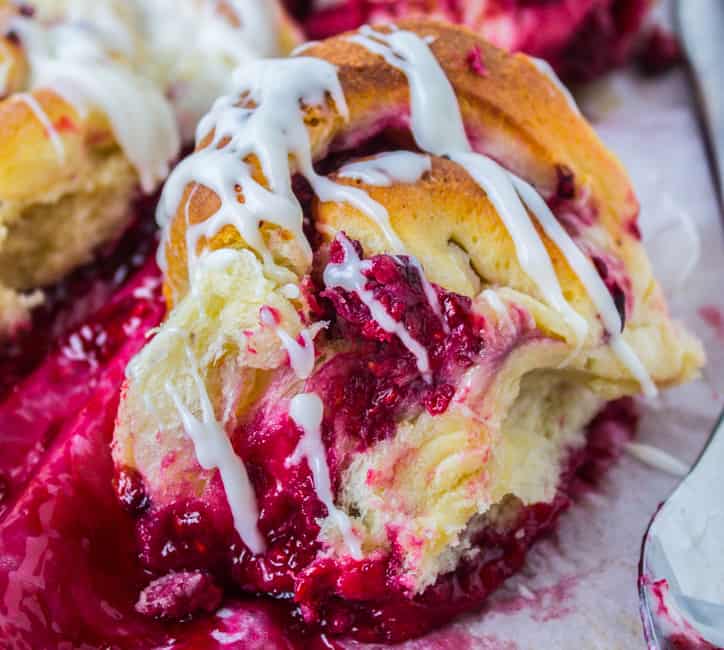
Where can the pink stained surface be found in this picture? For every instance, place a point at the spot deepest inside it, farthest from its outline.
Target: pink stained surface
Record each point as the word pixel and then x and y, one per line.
pixel 544 604
pixel 714 318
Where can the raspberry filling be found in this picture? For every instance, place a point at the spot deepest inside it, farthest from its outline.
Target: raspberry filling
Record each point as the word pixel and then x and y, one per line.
pixel 370 383
pixel 366 389
pixel 372 387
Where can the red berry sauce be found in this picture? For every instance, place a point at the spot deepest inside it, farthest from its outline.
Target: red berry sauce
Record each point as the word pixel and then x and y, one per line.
pixel 50 372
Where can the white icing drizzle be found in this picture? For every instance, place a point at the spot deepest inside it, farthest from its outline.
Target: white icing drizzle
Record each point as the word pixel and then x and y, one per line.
pixel 110 19
pixel 657 458
pixel 529 247
pixel 628 357
pixel 195 47
pixel 330 191
pixel 271 129
pixel 291 291
pixel 301 355
pixel 43 118
pixel 256 21
pixel 432 95
pixel 303 47
pixel 349 275
pixel 386 169
pixel 189 49
pixel 591 280
pixel 307 411
pixel 215 451
pixel 500 309
pixel 493 299
pixel 75 59
pixel 549 72
pixel 436 122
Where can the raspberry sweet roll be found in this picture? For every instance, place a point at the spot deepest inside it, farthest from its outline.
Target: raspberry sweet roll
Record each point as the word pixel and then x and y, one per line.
pixel 398 292
pixel 96 99
pixel 582 39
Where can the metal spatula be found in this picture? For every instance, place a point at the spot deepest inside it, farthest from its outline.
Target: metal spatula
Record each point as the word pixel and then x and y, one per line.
pixel 681 581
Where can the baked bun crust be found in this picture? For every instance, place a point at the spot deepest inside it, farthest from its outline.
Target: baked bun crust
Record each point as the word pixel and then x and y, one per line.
pixel 92 115
pixel 68 180
pixel 389 322
pixel 515 112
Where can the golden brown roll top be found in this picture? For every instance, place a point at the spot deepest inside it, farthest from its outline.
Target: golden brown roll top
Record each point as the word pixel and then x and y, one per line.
pixel 514 113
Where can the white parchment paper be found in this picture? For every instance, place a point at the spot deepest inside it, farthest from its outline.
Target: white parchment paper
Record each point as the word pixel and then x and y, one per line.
pixel 579 590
